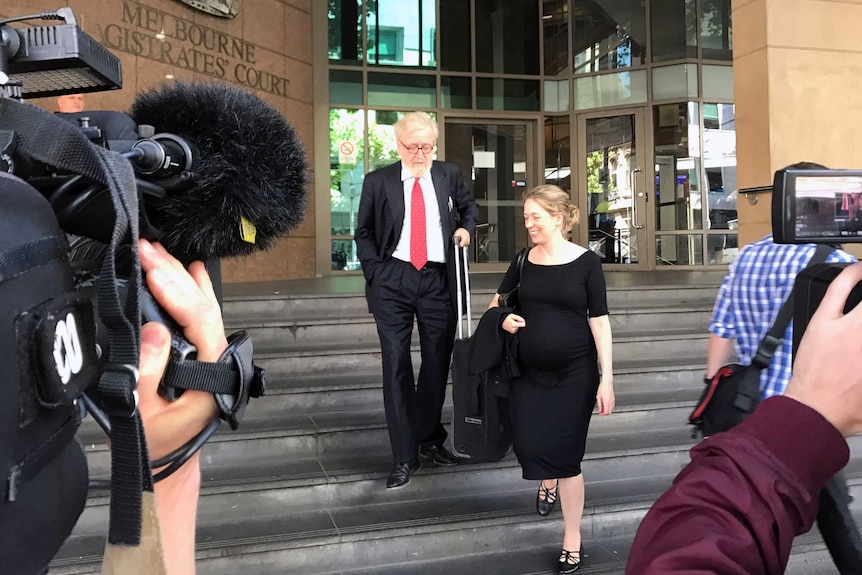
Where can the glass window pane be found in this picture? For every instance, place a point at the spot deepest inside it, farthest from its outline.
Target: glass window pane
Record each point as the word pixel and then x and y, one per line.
pixel 556 96
pixel 344 28
pixel 346 174
pixel 722 249
pixel 501 94
pixel 507 36
pixel 718 82
pixel 608 35
pixel 401 32
pixel 555 31
pixel 677 167
pixel 345 87
pixel 611 158
pixel 558 144
pixel 456 92
pixel 679 250
pixel 493 161
pixel 610 89
pixel 344 255
pixel 673 29
pixel 403 90
pixel 719 162
pixel 679 81
pixel 455 34
pixel 716 34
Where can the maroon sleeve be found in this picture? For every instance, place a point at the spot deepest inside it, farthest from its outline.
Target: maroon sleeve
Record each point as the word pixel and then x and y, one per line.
pixel 743 498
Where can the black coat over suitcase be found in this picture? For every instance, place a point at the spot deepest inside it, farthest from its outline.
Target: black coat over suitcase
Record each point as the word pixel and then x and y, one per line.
pixel 481 430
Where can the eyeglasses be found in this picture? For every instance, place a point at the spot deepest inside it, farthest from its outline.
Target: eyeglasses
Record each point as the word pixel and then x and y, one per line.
pixel 416 148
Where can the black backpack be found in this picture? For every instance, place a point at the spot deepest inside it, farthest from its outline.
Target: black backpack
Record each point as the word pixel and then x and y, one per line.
pixel 44 467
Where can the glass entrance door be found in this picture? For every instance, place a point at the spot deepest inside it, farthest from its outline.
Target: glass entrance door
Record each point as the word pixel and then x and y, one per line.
pixel 496 160
pixel 611 187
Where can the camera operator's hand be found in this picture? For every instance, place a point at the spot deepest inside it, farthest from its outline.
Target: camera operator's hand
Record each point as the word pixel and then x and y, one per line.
pixel 187 295
pixel 827 370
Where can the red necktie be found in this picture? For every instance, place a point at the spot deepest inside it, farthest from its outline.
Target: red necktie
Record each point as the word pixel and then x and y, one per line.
pixel 418 238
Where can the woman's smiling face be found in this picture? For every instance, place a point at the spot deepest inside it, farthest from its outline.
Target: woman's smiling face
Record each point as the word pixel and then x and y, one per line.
pixel 540 223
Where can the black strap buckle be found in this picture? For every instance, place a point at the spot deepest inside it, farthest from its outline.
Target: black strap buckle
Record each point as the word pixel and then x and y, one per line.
pixel 118 389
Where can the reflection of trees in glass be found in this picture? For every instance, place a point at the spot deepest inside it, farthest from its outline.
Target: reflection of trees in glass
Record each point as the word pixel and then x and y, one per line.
pixel 382 148
pixel 715 22
pixel 595 161
pixel 344 125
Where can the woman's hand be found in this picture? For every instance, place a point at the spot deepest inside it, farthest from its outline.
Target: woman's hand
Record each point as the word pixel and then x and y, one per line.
pixel 605 400
pixel 512 323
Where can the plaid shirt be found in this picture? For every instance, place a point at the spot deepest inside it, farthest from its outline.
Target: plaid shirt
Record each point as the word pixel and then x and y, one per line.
pixel 752 293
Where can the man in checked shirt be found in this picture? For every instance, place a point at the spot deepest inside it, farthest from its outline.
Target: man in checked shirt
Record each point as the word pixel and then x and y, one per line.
pixel 751 294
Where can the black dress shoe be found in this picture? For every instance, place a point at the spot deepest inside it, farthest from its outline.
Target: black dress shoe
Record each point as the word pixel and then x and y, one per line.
pixel 400 474
pixel 545 499
pixel 438 455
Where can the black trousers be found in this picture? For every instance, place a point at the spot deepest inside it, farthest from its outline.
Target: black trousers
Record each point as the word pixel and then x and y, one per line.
pixel 838 527
pixel 413 408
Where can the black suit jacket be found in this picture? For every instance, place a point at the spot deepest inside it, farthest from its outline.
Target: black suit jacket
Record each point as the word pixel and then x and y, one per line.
pixel 381 217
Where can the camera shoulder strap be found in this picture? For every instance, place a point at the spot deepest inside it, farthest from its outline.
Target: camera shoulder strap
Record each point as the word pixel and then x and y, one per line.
pixel 773 337
pixel 748 394
pixel 55 142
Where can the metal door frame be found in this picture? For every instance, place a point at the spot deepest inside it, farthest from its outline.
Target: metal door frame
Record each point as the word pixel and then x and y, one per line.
pixel 643 205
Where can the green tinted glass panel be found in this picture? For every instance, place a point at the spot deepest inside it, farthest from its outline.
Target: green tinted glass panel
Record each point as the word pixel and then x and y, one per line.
pixel 345 87
pixel 402 90
pixel 504 94
pixel 456 92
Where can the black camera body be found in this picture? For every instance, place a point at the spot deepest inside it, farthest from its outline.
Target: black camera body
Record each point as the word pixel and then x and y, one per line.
pixel 811 286
pixel 817 206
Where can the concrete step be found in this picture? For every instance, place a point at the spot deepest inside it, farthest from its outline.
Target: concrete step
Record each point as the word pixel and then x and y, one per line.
pixel 351 303
pixel 304 436
pixel 276 332
pixel 317 360
pixel 299 488
pixel 404 535
pixel 361 509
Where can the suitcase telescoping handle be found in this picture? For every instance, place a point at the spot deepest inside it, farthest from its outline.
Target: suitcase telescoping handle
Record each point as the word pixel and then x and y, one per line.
pixel 461 253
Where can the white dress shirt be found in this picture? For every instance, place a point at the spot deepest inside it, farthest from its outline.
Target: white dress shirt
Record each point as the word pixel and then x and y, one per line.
pixel 433 225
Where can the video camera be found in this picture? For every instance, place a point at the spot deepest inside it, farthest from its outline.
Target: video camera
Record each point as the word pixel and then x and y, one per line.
pixel 816 206
pixel 70 326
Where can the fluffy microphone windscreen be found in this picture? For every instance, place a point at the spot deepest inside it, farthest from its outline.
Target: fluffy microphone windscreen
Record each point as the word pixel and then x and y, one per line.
pixel 251 165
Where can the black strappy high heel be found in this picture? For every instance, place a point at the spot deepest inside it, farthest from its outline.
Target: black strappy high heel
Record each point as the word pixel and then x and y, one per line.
pixel 545 499
pixel 570 561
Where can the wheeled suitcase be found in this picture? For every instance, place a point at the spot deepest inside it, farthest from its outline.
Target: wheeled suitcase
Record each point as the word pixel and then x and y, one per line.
pixel 480 423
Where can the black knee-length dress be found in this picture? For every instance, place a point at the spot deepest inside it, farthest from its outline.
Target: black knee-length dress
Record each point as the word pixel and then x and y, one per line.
pixel 551 403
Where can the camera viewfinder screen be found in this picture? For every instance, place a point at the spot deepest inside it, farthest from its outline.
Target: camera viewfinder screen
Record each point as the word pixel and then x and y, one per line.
pixel 828 206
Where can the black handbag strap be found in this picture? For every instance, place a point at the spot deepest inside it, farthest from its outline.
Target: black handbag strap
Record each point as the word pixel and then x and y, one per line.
pixel 522 255
pixel 773 337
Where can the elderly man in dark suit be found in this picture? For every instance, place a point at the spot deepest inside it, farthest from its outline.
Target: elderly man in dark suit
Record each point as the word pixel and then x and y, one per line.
pixel 409 214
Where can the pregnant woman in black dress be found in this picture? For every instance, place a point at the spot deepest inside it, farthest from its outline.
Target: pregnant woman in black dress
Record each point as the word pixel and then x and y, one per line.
pixel 563 334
